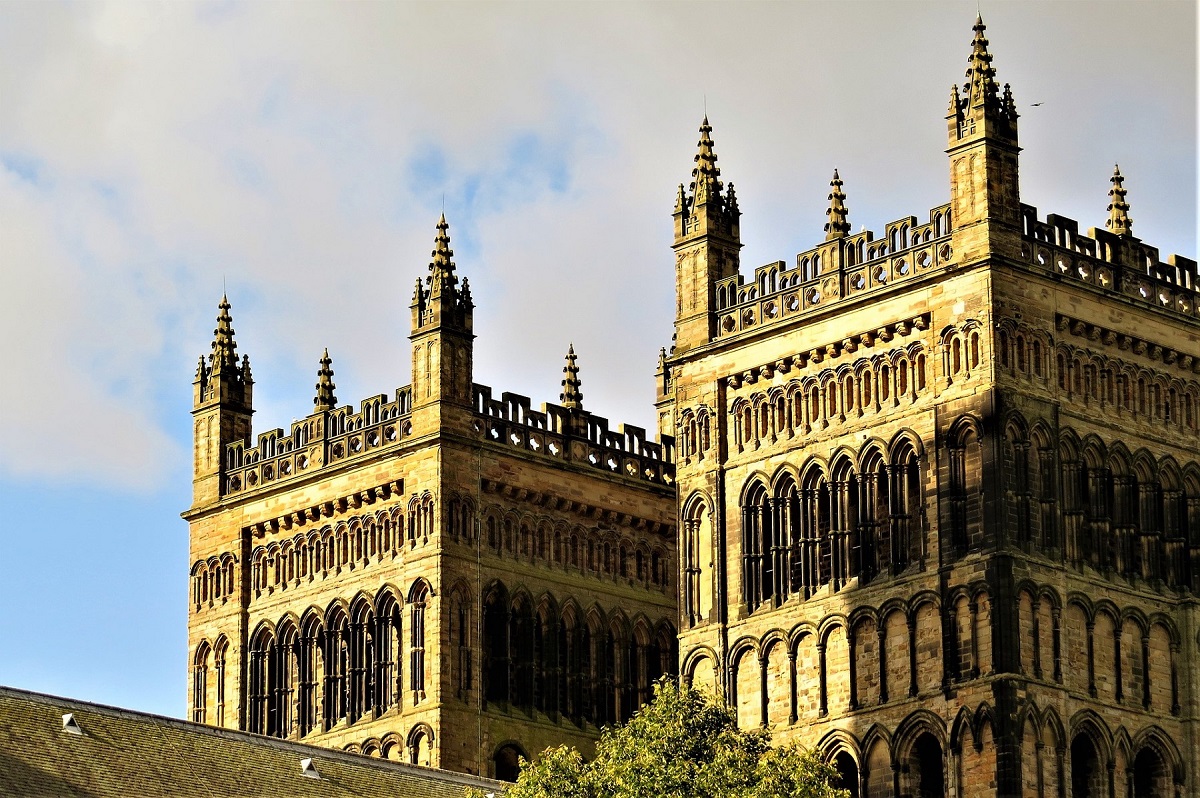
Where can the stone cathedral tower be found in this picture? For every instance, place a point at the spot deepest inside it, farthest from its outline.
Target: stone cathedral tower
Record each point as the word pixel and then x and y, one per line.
pixel 440 576
pixel 939 489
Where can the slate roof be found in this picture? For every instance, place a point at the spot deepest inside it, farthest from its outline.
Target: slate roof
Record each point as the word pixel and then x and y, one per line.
pixel 126 753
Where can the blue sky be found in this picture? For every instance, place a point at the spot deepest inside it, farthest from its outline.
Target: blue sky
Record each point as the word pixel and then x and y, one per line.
pixel 299 154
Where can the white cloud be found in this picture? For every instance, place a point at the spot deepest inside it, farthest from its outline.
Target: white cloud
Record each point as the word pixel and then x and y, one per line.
pixel 300 151
pixel 77 390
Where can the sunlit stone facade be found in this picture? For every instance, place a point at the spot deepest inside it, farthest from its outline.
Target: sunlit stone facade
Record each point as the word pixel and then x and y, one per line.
pixel 939 488
pixel 442 576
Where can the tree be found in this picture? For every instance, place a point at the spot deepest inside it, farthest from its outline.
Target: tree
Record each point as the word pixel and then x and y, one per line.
pixel 681 745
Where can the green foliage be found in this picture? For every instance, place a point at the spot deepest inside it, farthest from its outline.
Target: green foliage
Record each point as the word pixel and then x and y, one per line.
pixel 681 745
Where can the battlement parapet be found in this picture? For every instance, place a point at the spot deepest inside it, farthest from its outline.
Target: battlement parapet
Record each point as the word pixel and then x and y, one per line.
pixel 332 437
pixel 1118 263
pixel 324 438
pixel 834 271
pixel 573 435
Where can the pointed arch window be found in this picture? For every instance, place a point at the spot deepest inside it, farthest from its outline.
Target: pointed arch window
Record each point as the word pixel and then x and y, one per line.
pixel 965 505
pixel 520 635
pixel 545 655
pixel 495 651
pixel 200 682
pixel 844 548
pixel 697 564
pixel 336 659
pixel 306 674
pixel 417 600
pixel 757 534
pixel 221 653
pixel 814 530
pixel 461 626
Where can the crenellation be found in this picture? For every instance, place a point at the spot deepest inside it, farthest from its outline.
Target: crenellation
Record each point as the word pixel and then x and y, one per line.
pixel 323 439
pixel 843 269
pixel 1118 264
pixel 573 435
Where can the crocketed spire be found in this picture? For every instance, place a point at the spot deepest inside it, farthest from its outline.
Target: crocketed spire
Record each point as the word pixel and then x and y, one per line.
pixel 1118 222
pixel 706 176
pixel 325 400
pixel 224 349
pixel 222 376
pixel 731 204
pixel 981 75
pixel 571 397
pixel 681 200
pixel 955 102
pixel 838 224
pixel 441 266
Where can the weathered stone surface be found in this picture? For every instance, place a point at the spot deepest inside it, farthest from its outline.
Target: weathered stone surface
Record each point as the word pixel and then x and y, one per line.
pixel 341 570
pixel 940 491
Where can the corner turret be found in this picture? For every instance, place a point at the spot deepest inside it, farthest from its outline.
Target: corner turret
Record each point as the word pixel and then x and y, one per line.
pixel 707 244
pixel 985 203
pixel 442 337
pixel 222 404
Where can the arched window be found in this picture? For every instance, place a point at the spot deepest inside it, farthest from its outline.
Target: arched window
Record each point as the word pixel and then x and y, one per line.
pixel 1042 481
pixel 844 552
pixel 757 573
pixel 520 635
pixel 260 646
pixel 586 668
pixel 220 654
pixel 905 497
pixel 1087 776
pixel 336 659
pixel 420 746
pixel 461 626
pixel 966 511
pixel 568 667
pixel 418 598
pixel 697 563
pixel 495 647
pixel 545 657
pixel 360 690
pixel 1018 487
pixel 619 667
pixel 200 663
pixel 926 768
pixel 307 674
pixel 847 773
pixel 506 762
pixel 1151 777
pixel 814 565
pixel 271 671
